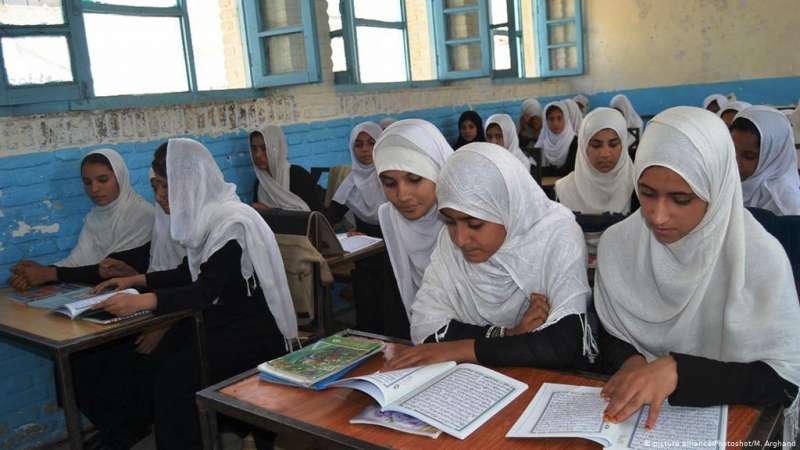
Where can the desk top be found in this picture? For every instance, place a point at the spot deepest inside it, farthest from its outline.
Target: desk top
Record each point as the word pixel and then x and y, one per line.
pixel 43 327
pixel 357 255
pixel 326 414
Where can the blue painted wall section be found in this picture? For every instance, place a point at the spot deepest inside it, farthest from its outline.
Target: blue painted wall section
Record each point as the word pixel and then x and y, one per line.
pixel 42 205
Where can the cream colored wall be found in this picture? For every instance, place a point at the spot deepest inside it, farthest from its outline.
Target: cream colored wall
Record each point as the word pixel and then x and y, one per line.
pixel 629 44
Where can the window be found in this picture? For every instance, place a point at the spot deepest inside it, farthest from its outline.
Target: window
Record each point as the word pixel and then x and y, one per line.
pixel 508 38
pixel 283 42
pixel 369 41
pixel 82 51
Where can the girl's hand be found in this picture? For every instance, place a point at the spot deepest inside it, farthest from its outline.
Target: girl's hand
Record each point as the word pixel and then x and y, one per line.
pixel 119 284
pixel 114 268
pixel 424 354
pixel 261 206
pixel 535 316
pixel 127 304
pixel 29 274
pixel 638 383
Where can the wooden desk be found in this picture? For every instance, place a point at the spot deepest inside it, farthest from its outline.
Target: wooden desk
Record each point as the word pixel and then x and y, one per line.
pixel 61 337
pixel 325 415
pixel 365 252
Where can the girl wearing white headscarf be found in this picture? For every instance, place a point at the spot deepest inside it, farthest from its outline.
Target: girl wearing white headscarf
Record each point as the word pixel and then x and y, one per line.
pixel 728 112
pixel 118 229
pixel 510 139
pixel 775 184
pixel 416 147
pixel 233 272
pixel 632 118
pixel 574 112
pixel 558 140
pixel 478 305
pixel 165 252
pixel 530 123
pixel 273 187
pixel 715 102
pixel 586 189
pixel 711 317
pixel 583 103
pixel 361 191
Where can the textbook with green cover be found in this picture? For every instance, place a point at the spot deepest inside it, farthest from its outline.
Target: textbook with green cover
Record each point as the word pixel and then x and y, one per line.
pixel 320 363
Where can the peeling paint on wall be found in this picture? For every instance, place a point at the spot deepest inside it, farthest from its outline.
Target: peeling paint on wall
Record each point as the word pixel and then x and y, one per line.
pixel 24 229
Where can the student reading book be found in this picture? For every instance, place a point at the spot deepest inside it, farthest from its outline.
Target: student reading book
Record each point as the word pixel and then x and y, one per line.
pixel 321 363
pixel 567 411
pixel 456 399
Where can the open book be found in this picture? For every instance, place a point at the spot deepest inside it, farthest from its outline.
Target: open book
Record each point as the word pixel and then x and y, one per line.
pixel 372 415
pixel 320 363
pixel 355 243
pixel 81 309
pixel 456 399
pixel 561 410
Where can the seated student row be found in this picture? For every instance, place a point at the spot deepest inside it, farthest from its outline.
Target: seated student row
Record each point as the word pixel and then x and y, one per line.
pixel 491 268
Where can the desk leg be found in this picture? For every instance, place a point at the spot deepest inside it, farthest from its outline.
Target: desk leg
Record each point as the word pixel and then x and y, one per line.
pixel 71 414
pixel 208 427
pixel 200 342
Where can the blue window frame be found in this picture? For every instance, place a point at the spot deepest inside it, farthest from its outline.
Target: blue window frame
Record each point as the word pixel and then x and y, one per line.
pixel 560 31
pixel 373 31
pixel 60 30
pixel 282 39
pixel 477 38
pixel 71 28
pixel 462 38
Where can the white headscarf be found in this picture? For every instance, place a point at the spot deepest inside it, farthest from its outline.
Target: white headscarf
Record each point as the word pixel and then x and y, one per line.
pixel 719 98
pixel 724 291
pixel 555 147
pixel 586 189
pixel 583 101
pixel 510 137
pixel 532 107
pixel 574 112
pixel 361 191
pixel 123 224
pixel 621 102
pixel 735 105
pixel 775 184
pixel 418 147
pixel 206 214
pixel 165 253
pixel 543 252
pixel 794 118
pixel 386 121
pixel 273 185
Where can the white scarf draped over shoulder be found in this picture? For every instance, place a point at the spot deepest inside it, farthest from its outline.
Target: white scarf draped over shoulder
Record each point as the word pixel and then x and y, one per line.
pixel 586 189
pixel 361 191
pixel 725 291
pixel 124 224
pixel 543 252
pixel 574 113
pixel 273 185
pixel 735 106
pixel 555 147
pixel 417 147
pixel 775 184
pixel 719 98
pixel 632 118
pixel 206 213
pixel 165 252
pixel 510 137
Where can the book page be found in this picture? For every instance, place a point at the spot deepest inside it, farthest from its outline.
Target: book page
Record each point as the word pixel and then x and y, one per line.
pixel 561 410
pixel 682 427
pixel 355 243
pixel 372 415
pixel 395 384
pixel 86 300
pixel 461 400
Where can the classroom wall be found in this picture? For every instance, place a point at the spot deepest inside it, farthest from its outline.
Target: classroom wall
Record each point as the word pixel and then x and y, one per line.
pixel 659 53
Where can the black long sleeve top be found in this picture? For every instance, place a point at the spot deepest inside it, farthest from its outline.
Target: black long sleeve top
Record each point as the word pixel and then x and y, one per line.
pixel 558 346
pixel 706 382
pixel 138 258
